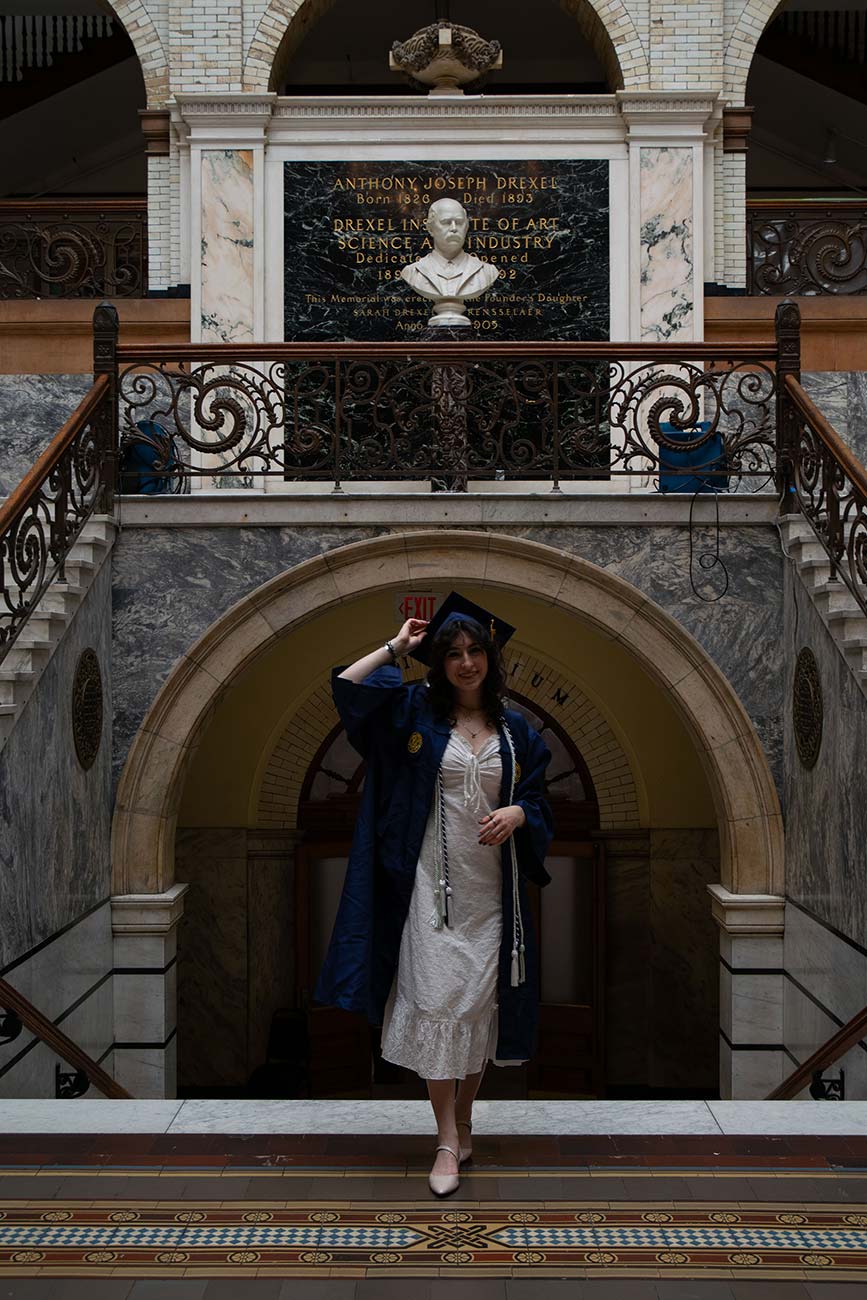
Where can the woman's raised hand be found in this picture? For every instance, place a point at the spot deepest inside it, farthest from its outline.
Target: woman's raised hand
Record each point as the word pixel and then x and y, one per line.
pixel 410 636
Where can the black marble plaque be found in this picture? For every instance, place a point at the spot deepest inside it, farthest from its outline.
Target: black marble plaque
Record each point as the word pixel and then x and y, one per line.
pixel 351 226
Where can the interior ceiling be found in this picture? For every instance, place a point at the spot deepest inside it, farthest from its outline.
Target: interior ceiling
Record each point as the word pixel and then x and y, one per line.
pixel 348 47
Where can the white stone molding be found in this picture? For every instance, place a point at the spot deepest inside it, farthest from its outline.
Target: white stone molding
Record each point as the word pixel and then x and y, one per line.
pixel 748 914
pixel 147 913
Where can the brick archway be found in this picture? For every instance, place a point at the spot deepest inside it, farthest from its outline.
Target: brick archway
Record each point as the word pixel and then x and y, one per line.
pixel 606 24
pixel 139 27
pixel 275 799
pixel 748 813
pixel 741 42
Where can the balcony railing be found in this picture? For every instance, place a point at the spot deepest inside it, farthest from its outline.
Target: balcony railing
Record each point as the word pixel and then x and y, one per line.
pixel 805 247
pixel 679 417
pixel 73 248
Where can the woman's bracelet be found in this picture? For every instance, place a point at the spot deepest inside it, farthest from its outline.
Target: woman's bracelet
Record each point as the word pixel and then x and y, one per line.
pixel 391 650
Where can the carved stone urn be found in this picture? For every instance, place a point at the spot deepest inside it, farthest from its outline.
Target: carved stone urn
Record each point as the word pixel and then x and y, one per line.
pixel 445 57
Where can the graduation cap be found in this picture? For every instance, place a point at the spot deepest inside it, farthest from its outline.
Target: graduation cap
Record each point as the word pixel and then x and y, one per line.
pixel 457 606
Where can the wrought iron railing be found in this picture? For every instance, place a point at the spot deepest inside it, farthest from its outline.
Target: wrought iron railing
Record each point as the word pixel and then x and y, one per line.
pixel 73 248
pixel 804 247
pixel 17 1012
pixel 681 416
pixel 830 488
pixel 41 520
pixel 810 1071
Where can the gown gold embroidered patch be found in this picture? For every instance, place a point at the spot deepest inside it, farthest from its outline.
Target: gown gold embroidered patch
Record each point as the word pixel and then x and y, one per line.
pixel 414 743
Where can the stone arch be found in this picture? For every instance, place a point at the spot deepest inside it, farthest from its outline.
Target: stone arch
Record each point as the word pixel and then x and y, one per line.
pixel 140 29
pixel 748 813
pixel 605 24
pixel 300 734
pixel 741 44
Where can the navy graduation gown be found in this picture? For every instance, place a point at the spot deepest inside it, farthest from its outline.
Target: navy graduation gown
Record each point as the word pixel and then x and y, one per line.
pixel 390 723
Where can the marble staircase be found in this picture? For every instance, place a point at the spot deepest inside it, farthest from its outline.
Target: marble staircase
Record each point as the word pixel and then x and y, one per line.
pixel 39 638
pixel 837 607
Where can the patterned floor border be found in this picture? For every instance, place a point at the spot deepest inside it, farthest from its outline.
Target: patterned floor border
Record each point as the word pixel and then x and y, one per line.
pixel 343 1240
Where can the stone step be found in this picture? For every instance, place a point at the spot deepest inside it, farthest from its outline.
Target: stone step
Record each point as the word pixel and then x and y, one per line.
pixel 815 572
pixel 63 597
pixel 16 686
pixel 47 625
pixel 8 713
pixel 28 656
pixel 836 600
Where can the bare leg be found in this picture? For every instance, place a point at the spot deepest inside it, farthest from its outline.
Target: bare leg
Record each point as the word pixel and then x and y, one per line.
pixel 442 1098
pixel 466 1095
pixel 467 1089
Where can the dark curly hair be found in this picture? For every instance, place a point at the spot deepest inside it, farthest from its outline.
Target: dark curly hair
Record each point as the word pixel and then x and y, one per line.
pixel 442 696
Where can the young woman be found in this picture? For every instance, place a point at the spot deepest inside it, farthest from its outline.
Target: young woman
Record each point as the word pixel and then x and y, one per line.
pixel 433 938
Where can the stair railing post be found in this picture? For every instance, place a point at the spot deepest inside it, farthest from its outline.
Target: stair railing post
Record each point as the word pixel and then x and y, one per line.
pixel 787 327
pixel 105 421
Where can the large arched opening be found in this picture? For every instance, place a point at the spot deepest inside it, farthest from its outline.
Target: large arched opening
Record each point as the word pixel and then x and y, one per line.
pixel 621 675
pixel 336 47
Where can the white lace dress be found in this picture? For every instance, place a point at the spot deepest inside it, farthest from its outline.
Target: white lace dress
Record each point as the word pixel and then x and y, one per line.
pixel 441 1015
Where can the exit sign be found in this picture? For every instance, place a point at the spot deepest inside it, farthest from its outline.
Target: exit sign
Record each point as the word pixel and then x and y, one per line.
pixel 417 604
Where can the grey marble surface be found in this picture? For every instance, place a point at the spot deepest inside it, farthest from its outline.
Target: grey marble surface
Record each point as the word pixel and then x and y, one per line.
pixel 684 965
pixel 841 395
pixel 170 585
pixel 212 958
pixel 55 818
pixel 740 632
pixel 32 410
pixel 826 826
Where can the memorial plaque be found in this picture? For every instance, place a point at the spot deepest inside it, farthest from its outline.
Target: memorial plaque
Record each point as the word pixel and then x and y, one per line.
pixel 350 227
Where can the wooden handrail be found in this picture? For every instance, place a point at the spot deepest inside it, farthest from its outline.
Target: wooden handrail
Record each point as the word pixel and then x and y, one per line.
pixel 850 465
pixel 472 349
pixel 13 207
pixel 41 468
pixel 831 1051
pixel 47 1032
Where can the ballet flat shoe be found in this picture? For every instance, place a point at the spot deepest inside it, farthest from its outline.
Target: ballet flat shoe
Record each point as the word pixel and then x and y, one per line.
pixel 466 1152
pixel 444 1184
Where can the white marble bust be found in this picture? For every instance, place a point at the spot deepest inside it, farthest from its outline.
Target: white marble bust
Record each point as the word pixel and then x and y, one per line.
pixel 449 275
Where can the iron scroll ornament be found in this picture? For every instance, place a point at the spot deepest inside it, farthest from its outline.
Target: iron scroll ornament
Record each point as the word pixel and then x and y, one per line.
pixel 807 710
pixel 87 708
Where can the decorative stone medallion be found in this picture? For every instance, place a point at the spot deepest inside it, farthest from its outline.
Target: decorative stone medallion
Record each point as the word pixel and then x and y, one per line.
pixel 87 708
pixel 807 707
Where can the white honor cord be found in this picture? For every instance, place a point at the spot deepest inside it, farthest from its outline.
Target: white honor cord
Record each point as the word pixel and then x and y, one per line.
pixel 518 967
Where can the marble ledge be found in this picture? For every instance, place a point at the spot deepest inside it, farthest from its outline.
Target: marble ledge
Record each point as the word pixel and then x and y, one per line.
pixel 425 509
pixel 540 1117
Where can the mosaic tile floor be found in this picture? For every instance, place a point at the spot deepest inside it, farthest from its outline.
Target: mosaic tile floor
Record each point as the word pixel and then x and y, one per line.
pixel 785 1215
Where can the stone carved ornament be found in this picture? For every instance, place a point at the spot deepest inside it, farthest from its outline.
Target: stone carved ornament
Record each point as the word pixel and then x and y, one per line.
pixel 444 56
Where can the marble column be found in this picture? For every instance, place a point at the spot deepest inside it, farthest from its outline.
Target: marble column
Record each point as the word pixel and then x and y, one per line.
pixel 753 1059
pixel 144 927
pixel 226 136
pixel 667 132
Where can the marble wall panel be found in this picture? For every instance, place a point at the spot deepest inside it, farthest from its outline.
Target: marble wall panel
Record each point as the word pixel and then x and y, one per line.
pixel 740 632
pixel 667 281
pixel 227 246
pixel 212 959
pixel 170 585
pixel 89 1024
pixel 833 971
pixel 807 1026
pixel 684 960
pixel 271 984
pixel 32 410
pixel 627 960
pixel 826 827
pixel 55 818
pixel 856 433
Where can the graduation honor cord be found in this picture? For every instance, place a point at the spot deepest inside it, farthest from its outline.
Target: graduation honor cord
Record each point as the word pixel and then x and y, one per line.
pixel 441 865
